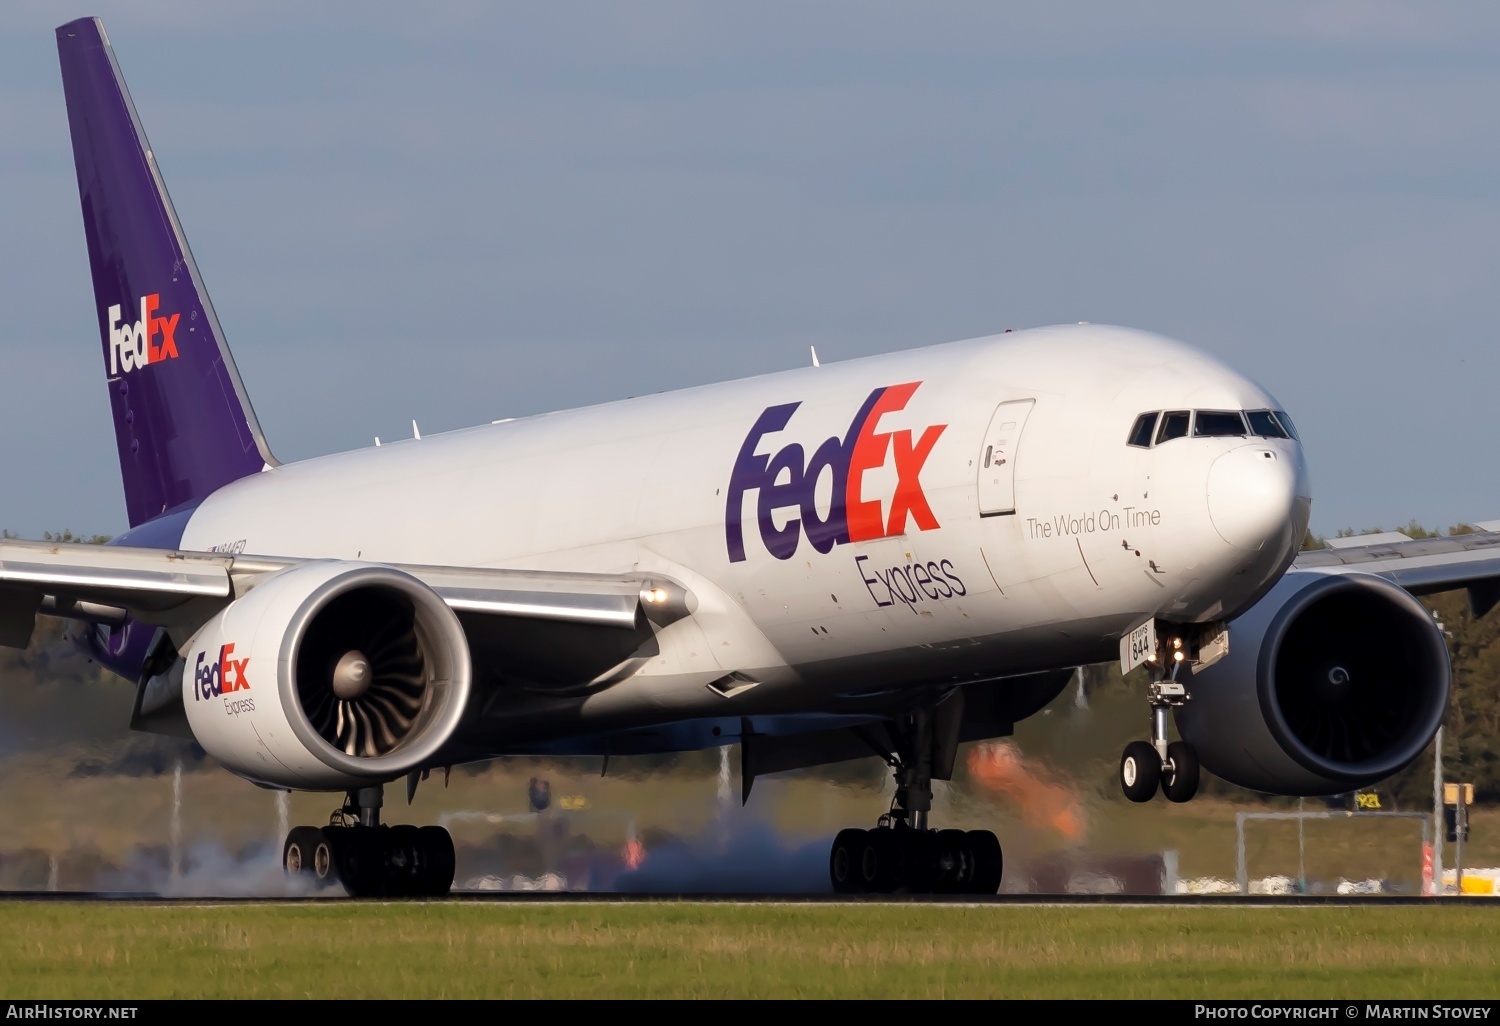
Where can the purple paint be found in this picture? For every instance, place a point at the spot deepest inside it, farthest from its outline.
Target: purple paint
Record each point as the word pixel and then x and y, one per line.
pixel 183 426
pixel 120 650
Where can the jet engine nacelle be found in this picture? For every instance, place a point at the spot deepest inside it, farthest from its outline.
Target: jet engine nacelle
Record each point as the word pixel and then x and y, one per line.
pixel 329 675
pixel 1332 682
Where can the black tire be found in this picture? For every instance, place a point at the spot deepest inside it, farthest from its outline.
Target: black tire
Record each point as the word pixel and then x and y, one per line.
pixel 308 856
pixel 1140 771
pixel 919 872
pixel 359 858
pixel 954 864
pixel 403 860
pixel 879 862
pixel 843 861
pixel 439 860
pixel 989 863
pixel 1179 778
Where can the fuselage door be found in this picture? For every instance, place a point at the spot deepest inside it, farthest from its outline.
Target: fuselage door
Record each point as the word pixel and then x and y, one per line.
pixel 997 458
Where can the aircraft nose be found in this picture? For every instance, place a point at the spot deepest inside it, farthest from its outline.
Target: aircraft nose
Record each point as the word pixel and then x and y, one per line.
pixel 1255 495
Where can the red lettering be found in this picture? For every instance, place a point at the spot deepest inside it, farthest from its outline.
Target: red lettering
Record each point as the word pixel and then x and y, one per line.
pixel 153 325
pixel 232 671
pixel 168 326
pixel 149 306
pixel 909 497
pixel 865 521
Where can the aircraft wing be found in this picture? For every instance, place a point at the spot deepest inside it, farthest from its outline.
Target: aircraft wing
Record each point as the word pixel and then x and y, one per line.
pixel 182 590
pixel 1422 566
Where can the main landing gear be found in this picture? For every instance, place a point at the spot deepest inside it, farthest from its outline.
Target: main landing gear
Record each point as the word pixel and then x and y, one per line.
pixel 368 857
pixel 901 853
pixel 1149 766
pixel 901 858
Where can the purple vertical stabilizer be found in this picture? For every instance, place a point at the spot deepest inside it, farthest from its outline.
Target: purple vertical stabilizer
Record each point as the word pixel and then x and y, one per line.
pixel 183 422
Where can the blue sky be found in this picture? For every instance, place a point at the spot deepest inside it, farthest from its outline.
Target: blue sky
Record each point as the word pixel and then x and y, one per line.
pixel 464 211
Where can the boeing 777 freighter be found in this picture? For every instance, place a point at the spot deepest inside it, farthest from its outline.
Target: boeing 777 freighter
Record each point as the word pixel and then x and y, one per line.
pixel 888 556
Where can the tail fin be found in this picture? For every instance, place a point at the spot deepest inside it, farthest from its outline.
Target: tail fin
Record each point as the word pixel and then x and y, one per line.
pixel 183 423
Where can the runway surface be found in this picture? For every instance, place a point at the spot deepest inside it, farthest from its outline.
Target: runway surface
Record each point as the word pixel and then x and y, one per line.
pixel 584 898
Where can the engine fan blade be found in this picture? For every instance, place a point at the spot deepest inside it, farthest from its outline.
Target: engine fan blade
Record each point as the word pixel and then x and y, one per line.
pixel 370 683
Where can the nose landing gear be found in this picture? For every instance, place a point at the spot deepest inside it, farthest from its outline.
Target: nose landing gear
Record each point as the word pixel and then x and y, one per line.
pixel 1171 767
pixel 369 858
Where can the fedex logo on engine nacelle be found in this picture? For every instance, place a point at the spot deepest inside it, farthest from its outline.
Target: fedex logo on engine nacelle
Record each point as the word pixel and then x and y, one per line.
pixel 788 479
pixel 220 677
pixel 144 342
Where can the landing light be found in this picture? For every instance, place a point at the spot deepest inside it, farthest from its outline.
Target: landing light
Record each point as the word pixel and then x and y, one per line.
pixel 1177 656
pixel 657 595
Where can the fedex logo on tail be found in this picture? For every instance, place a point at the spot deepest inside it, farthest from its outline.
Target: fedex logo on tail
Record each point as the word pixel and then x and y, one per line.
pixel 786 481
pixel 146 341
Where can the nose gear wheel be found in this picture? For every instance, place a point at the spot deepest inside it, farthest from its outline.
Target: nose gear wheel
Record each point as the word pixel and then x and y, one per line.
pixel 1140 771
pixel 1179 778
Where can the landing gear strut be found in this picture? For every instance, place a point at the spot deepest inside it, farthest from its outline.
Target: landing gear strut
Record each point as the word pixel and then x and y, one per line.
pixel 369 858
pixel 902 853
pixel 1171 767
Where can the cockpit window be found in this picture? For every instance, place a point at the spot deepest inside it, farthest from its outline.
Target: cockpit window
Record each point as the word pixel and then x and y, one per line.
pixel 1218 424
pixel 1174 424
pixel 1286 422
pixel 1264 424
pixel 1141 434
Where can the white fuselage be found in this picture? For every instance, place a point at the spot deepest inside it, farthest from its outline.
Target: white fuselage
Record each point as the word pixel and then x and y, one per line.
pixel 1086 538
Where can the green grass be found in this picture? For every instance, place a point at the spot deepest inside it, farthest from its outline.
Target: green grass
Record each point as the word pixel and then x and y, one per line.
pixel 69 950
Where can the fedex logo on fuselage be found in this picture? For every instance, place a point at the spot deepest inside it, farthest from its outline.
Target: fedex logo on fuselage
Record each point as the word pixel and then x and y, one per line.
pixel 787 480
pixel 144 342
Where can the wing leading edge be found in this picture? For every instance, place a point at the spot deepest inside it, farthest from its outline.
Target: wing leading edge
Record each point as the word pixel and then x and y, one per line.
pixel 1422 566
pixel 182 590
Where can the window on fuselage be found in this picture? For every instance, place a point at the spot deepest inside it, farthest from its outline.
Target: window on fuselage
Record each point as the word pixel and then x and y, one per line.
pixel 1218 424
pixel 1140 435
pixel 1264 424
pixel 1174 424
pixel 1286 422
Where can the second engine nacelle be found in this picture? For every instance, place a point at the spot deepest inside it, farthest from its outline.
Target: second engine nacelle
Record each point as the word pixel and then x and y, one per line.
pixel 329 675
pixel 1332 682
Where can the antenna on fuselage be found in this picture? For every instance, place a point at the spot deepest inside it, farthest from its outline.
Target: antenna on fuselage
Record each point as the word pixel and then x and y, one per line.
pixel 414 432
pixel 815 356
